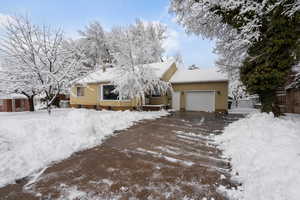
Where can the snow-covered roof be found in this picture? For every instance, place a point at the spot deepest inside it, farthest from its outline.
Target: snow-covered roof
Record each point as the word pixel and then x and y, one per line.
pixel 12 96
pixel 198 75
pixel 99 76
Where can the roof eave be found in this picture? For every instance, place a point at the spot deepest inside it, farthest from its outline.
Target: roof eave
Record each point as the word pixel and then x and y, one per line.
pixel 209 81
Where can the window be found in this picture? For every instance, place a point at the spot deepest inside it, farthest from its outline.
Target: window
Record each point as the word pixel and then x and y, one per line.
pixel 80 91
pixel 108 94
pixel 1 102
pixel 156 93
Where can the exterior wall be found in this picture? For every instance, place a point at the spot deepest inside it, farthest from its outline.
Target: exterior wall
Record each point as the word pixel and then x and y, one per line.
pixel 221 88
pixel 169 73
pixel 92 98
pixel 293 101
pixel 14 105
pixel 6 105
pixel 163 100
pixel 281 98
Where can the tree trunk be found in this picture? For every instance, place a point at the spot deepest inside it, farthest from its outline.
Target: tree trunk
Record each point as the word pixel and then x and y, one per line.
pixel 31 103
pixel 49 109
pixel 49 103
pixel 269 103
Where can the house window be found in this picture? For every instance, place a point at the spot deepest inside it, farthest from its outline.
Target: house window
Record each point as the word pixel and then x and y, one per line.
pixel 108 94
pixel 156 93
pixel 1 102
pixel 80 91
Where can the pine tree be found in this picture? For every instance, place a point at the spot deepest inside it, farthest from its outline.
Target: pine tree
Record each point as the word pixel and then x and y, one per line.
pixel 271 58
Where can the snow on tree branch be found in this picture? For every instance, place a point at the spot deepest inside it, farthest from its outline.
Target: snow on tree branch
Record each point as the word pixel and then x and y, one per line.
pixel 211 19
pixel 133 48
pixel 36 61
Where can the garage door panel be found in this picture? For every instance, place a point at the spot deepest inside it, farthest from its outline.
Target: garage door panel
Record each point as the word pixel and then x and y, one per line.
pixel 200 101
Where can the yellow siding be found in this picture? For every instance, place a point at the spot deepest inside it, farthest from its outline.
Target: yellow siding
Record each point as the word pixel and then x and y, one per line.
pixel 91 96
pixel 164 100
pixel 159 100
pixel 221 89
pixel 169 73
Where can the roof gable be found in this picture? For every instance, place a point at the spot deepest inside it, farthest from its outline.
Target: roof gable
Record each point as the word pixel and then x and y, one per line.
pixel 106 76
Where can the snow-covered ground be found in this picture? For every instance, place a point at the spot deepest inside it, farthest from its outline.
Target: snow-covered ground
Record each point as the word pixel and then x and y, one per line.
pixel 31 141
pixel 265 155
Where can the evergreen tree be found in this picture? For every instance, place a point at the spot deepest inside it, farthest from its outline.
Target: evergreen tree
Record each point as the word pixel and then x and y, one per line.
pixel 271 58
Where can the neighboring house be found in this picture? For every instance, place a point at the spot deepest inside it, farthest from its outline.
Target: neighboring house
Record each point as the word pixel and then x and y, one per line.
pixel 293 100
pixel 192 90
pixel 288 97
pixel 13 103
pixel 293 92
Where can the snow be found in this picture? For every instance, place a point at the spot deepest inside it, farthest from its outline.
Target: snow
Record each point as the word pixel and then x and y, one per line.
pixel 36 59
pixel 99 76
pixel 32 141
pixel 161 68
pixel 73 193
pixel 265 156
pixel 198 75
pixel 168 158
pixel 12 96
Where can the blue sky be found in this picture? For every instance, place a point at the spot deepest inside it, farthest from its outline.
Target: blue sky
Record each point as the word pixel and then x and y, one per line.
pixel 73 15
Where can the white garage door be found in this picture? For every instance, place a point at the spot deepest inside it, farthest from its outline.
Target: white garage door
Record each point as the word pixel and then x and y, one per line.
pixel 200 101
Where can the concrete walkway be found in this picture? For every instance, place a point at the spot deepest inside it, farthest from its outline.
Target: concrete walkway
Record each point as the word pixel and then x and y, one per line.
pixel 173 157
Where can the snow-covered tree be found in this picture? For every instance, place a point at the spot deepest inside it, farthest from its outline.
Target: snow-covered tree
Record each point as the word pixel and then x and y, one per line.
pixel 133 48
pixel 178 59
pixel 94 46
pixel 234 23
pixel 257 39
pixel 36 61
pixel 237 91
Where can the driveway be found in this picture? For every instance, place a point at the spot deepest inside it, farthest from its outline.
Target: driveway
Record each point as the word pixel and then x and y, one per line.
pixel 174 157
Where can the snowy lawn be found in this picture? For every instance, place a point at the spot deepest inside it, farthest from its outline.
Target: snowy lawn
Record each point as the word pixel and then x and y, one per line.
pixel 32 141
pixel 265 152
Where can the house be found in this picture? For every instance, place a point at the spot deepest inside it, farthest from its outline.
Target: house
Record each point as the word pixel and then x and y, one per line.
pixel 293 100
pixel 192 90
pixel 13 103
pixel 288 97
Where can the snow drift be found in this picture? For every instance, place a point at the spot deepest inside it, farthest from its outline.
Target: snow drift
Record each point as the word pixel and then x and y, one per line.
pixel 265 152
pixel 31 141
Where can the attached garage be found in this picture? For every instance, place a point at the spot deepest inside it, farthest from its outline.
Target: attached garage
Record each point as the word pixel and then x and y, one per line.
pixel 200 101
pixel 200 90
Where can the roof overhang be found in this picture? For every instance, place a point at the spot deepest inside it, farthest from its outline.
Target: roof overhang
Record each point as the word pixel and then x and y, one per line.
pixel 210 81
